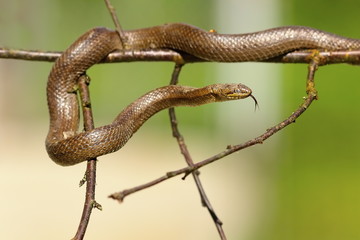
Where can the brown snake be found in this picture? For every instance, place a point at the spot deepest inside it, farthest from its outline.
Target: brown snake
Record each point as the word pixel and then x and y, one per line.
pixel 67 147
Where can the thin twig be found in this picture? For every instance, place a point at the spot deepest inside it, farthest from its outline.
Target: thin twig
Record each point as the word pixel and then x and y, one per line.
pixel 90 174
pixel 184 150
pixel 115 19
pixel 311 96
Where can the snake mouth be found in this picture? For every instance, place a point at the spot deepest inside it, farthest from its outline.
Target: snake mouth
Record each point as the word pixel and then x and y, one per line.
pixel 256 102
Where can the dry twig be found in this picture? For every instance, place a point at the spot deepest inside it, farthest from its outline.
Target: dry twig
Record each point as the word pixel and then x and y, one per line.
pixel 117 24
pixel 90 174
pixel 166 55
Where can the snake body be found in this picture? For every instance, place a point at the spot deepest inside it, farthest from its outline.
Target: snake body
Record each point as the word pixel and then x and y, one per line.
pixel 67 147
pixel 256 46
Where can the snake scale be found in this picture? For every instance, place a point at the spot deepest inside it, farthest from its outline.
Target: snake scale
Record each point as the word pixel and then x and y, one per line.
pixel 68 147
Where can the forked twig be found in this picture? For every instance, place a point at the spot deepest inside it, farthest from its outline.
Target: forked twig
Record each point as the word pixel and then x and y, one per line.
pixel 311 96
pixel 184 150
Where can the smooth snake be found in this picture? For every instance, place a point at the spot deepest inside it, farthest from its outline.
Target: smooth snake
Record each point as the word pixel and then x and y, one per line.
pixel 68 147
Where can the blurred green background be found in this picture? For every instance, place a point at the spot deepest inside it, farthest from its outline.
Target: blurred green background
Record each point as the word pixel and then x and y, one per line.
pixel 301 184
pixel 318 177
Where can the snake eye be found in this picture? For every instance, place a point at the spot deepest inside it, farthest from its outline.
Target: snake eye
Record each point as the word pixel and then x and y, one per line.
pixel 238 92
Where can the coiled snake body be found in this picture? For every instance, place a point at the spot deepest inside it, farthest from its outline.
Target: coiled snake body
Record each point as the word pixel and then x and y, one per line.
pixel 67 147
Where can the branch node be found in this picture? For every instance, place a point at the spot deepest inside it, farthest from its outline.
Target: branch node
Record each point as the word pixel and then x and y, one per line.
pixel 189 171
pixel 83 180
pixel 96 205
pixel 170 174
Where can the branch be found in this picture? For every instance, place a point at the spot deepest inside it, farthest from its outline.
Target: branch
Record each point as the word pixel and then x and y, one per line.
pixel 350 57
pixel 117 56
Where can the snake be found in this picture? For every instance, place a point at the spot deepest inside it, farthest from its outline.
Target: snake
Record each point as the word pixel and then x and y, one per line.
pixel 66 146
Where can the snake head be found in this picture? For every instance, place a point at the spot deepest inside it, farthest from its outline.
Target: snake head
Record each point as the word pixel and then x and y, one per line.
pixel 226 92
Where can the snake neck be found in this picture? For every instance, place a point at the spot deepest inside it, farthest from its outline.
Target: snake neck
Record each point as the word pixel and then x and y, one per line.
pixel 170 96
pixel 110 138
